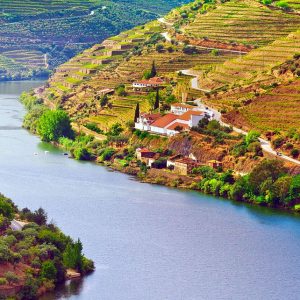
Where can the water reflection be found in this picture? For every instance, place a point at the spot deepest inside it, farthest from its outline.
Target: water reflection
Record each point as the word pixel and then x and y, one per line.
pixel 65 291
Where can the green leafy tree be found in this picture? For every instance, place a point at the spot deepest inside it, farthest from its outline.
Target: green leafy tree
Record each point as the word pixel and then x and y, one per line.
pixel 280 189
pixel 6 207
pixel 294 191
pixel 48 270
pixel 54 124
pixel 266 169
pixel 239 189
pixel 72 256
pixel 252 137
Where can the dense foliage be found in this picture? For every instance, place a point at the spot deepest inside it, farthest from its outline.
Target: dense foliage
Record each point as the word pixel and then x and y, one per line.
pixel 62 29
pixel 39 253
pixel 268 184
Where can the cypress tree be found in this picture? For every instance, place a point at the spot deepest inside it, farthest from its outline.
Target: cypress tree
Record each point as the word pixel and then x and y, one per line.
pixel 137 112
pixel 156 104
pixel 153 69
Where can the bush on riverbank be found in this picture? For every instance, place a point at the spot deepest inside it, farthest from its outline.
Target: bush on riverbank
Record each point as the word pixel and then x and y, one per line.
pixel 35 257
pixel 54 124
pixel 268 184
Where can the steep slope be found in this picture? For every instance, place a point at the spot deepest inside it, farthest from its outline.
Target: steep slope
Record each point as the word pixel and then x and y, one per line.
pixel 242 78
pixel 39 35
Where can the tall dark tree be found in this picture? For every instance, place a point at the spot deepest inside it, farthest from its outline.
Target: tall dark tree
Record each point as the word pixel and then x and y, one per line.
pixel 156 104
pixel 153 70
pixel 137 112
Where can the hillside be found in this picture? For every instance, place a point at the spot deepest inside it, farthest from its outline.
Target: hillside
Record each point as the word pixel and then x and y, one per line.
pixel 36 256
pixel 36 36
pixel 247 71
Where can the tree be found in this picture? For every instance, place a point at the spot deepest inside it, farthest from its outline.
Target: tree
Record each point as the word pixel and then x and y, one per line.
pixel 280 189
pixel 115 130
pixel 137 112
pixel 5 253
pixel 6 207
pixel 48 270
pixel 266 169
pixel 239 189
pixel 72 257
pixel 103 100
pixel 153 70
pixel 157 98
pixel 40 216
pixel 252 137
pixel 54 124
pixel 294 191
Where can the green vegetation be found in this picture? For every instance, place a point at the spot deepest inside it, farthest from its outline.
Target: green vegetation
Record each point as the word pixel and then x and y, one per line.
pixel 36 256
pixel 54 124
pixel 37 36
pixel 268 184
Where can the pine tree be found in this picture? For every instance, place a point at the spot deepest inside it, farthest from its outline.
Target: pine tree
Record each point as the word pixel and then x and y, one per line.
pixel 156 104
pixel 137 112
pixel 153 70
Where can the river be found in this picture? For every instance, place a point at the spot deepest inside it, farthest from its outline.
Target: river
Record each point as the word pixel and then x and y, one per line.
pixel 148 242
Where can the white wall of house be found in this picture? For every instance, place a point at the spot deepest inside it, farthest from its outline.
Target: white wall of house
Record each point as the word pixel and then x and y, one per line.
pixel 158 130
pixel 171 132
pixel 142 126
pixel 177 110
pixel 195 120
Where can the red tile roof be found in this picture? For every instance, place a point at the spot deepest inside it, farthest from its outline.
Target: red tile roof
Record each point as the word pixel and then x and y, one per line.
pixel 187 115
pixel 164 121
pixel 154 80
pixel 151 116
pixel 173 126
pixel 182 105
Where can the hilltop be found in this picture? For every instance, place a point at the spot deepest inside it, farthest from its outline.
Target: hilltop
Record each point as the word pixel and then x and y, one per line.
pixel 37 36
pixel 247 73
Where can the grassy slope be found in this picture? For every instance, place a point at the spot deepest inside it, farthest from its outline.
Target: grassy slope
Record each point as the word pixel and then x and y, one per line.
pixel 62 28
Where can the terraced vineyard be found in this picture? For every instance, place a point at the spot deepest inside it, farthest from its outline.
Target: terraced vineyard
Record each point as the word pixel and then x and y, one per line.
pixel 235 77
pixel 279 108
pixel 245 22
pixel 254 66
pixel 63 28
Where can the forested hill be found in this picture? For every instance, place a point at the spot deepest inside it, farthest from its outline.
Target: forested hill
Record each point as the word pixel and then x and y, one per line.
pixel 36 36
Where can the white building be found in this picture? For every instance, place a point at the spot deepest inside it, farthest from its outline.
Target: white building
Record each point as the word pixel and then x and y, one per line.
pixel 181 108
pixel 154 82
pixel 171 124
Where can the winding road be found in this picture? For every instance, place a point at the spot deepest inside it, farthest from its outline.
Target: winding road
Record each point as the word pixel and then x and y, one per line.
pixel 266 145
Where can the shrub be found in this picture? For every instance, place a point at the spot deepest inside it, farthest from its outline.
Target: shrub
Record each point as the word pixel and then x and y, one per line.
pixel 278 142
pixel 107 154
pixel 81 153
pixel 3 281
pixel 11 277
pixel 295 153
pixel 48 270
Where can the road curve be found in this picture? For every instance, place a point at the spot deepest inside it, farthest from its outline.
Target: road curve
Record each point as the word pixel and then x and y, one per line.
pixel 265 145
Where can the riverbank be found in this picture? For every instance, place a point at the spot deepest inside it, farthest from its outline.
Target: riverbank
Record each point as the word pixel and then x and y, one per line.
pixel 269 182
pixel 35 255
